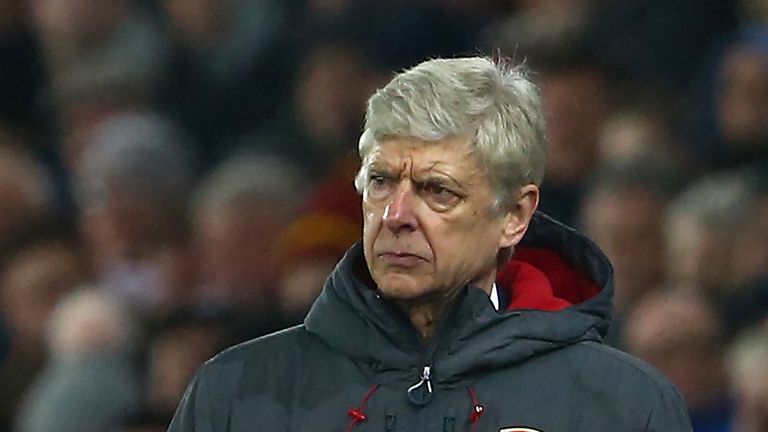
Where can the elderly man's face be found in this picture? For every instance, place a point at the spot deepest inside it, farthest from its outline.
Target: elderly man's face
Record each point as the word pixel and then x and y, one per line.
pixel 429 227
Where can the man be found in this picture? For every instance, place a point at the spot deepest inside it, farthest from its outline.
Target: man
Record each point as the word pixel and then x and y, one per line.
pixel 447 316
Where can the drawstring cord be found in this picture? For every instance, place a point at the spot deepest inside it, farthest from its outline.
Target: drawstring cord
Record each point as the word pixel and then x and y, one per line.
pixel 357 414
pixel 421 392
pixel 477 409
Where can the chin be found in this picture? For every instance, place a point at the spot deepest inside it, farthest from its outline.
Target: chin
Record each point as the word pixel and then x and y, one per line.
pixel 401 287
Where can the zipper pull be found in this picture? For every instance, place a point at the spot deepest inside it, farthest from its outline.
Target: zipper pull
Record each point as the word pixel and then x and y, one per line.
pixel 421 392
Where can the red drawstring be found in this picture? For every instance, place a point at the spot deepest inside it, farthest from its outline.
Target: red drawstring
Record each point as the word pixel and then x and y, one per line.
pixel 358 413
pixel 477 409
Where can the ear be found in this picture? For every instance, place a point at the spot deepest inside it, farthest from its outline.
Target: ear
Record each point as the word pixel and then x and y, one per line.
pixel 518 217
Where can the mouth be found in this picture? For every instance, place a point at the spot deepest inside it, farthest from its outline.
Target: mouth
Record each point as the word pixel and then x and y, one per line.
pixel 401 259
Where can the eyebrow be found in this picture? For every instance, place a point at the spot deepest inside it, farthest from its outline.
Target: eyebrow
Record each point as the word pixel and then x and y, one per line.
pixel 431 173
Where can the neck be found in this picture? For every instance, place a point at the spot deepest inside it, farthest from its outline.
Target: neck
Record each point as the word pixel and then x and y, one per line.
pixel 425 312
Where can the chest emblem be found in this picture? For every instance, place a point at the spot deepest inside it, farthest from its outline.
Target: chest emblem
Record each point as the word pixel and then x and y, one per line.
pixel 518 429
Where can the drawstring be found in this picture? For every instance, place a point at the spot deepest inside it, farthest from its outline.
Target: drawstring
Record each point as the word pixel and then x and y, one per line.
pixel 477 409
pixel 358 413
pixel 421 392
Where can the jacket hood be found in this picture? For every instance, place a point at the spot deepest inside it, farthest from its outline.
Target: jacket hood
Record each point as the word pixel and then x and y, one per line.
pixel 558 287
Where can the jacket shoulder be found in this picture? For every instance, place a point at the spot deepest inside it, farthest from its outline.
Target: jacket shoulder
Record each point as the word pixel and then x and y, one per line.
pixel 244 372
pixel 609 359
pixel 284 343
pixel 636 385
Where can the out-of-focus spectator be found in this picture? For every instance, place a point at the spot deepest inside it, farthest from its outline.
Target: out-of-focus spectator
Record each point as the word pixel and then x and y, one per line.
pixel 39 269
pixel 753 12
pixel 238 212
pixel 90 42
pixel 680 334
pixel 742 97
pixel 747 303
pixel 133 188
pixel 310 246
pixel 25 192
pixel 542 25
pixel 658 42
pixel 639 131
pixel 331 90
pixel 749 379
pixel 623 212
pixel 575 97
pixel 700 227
pixel 176 350
pixel 726 119
pixel 319 122
pixel 231 68
pixel 102 58
pixel 90 383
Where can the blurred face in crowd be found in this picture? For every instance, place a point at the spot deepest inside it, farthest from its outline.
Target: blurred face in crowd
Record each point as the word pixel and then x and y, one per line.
pixel 681 337
pixel 198 22
pixel 750 249
pixel 699 255
pixel 575 105
pixel 124 224
pixel 627 224
pixel 15 208
pixel 626 136
pixel 79 22
pixel 429 227
pixel 743 97
pixel 331 94
pixel 236 250
pixel 33 283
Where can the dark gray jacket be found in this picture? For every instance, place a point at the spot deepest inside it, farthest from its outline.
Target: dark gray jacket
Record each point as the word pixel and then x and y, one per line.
pixel 358 364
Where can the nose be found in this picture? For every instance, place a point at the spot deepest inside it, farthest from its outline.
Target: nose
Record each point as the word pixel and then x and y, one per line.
pixel 399 214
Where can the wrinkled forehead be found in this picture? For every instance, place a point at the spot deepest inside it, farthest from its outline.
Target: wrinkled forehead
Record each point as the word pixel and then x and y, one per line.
pixel 456 155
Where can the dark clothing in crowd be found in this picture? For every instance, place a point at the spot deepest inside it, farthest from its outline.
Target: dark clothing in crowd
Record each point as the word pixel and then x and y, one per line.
pixel 5 340
pixel 358 362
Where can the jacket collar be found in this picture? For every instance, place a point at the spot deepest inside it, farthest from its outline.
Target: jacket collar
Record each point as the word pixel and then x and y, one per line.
pixel 559 285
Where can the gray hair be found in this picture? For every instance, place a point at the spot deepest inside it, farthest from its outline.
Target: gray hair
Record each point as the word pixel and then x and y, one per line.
pixel 143 153
pixel 491 102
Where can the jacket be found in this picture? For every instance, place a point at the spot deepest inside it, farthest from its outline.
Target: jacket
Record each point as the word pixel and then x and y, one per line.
pixel 358 364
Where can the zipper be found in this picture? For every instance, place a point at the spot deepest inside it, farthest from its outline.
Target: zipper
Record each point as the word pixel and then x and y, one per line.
pixel 426 379
pixel 421 392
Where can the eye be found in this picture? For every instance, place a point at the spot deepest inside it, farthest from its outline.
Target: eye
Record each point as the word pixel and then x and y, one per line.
pixel 436 189
pixel 378 185
pixel 377 181
pixel 438 196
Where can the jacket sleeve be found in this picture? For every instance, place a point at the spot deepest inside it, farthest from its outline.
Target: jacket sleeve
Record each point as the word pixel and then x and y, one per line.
pixel 669 413
pixel 194 413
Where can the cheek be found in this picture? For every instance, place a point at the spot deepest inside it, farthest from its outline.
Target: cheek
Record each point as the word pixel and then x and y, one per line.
pixel 371 225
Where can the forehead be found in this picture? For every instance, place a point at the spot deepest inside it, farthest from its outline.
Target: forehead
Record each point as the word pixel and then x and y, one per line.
pixel 455 156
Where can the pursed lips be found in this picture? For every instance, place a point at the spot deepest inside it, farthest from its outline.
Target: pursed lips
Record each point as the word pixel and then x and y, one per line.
pixel 401 258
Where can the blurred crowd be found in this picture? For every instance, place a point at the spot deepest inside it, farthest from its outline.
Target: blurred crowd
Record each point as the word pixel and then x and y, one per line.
pixel 176 177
